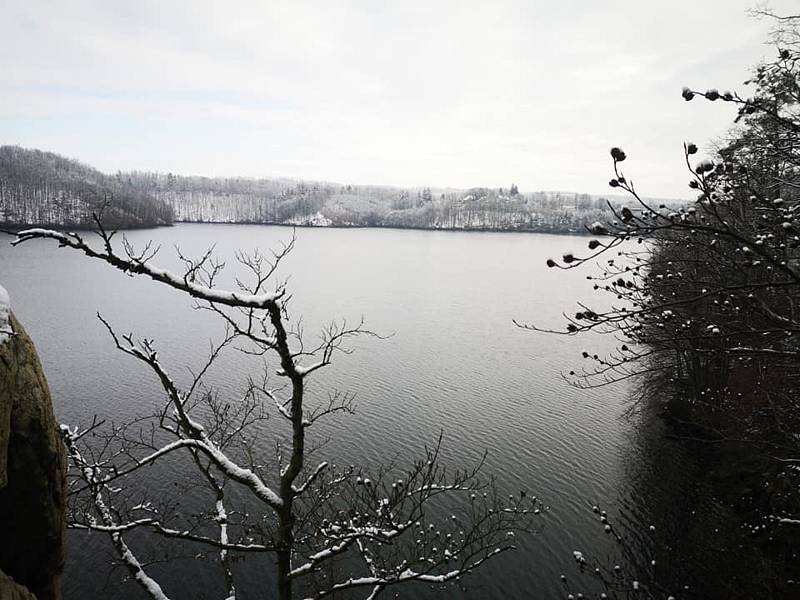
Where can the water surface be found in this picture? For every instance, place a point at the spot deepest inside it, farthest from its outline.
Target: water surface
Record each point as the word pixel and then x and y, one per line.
pixel 455 363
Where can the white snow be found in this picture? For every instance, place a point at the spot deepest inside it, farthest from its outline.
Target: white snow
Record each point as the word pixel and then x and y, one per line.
pixel 5 308
pixel 244 476
pixel 315 220
pixel 207 293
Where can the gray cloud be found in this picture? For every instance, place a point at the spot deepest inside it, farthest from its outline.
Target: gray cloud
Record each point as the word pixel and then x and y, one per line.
pixel 411 93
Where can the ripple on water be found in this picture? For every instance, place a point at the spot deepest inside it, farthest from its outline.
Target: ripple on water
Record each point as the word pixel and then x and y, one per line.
pixel 455 364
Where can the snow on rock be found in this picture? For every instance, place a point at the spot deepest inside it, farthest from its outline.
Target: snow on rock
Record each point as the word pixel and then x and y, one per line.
pixel 5 310
pixel 315 220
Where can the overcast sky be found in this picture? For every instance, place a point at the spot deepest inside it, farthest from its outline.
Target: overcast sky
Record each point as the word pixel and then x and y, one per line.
pixel 400 93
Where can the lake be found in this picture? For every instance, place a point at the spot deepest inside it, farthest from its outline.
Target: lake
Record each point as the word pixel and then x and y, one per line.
pixel 453 362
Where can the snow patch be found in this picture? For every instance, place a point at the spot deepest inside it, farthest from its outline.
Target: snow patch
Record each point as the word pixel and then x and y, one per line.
pixel 315 220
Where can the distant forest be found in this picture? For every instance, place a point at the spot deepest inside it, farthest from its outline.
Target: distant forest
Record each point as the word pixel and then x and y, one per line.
pixel 42 188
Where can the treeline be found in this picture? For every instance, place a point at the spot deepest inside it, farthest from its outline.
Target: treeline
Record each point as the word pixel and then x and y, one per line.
pixel 280 201
pixel 42 188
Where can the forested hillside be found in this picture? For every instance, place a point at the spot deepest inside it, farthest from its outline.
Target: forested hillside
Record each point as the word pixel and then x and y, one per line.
pixel 281 201
pixel 42 188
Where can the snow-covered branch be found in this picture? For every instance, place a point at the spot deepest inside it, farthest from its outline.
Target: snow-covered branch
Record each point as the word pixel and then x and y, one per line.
pixel 305 516
pixel 133 266
pixel 408 575
pixel 147 583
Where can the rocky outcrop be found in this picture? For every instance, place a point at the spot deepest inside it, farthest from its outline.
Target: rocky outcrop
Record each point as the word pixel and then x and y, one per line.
pixel 10 590
pixel 32 472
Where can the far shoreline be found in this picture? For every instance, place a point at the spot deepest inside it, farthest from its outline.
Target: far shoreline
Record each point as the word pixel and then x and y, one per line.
pixel 582 231
pixel 12 229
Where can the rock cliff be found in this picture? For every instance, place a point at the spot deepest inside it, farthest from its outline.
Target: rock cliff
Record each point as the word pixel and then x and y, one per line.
pixel 32 470
pixel 10 590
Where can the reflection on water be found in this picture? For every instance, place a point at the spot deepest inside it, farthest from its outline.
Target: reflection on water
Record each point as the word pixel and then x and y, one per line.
pixel 455 363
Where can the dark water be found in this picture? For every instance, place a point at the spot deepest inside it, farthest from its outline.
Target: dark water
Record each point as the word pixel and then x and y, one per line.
pixel 455 363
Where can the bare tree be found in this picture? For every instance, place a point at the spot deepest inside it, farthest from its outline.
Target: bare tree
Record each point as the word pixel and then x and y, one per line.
pixel 703 298
pixel 728 261
pixel 330 529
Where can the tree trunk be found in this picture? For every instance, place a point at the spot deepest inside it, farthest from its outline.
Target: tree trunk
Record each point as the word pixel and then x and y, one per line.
pixel 285 544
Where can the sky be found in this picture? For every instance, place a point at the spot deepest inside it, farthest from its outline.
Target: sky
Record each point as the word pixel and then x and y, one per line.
pixel 407 93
